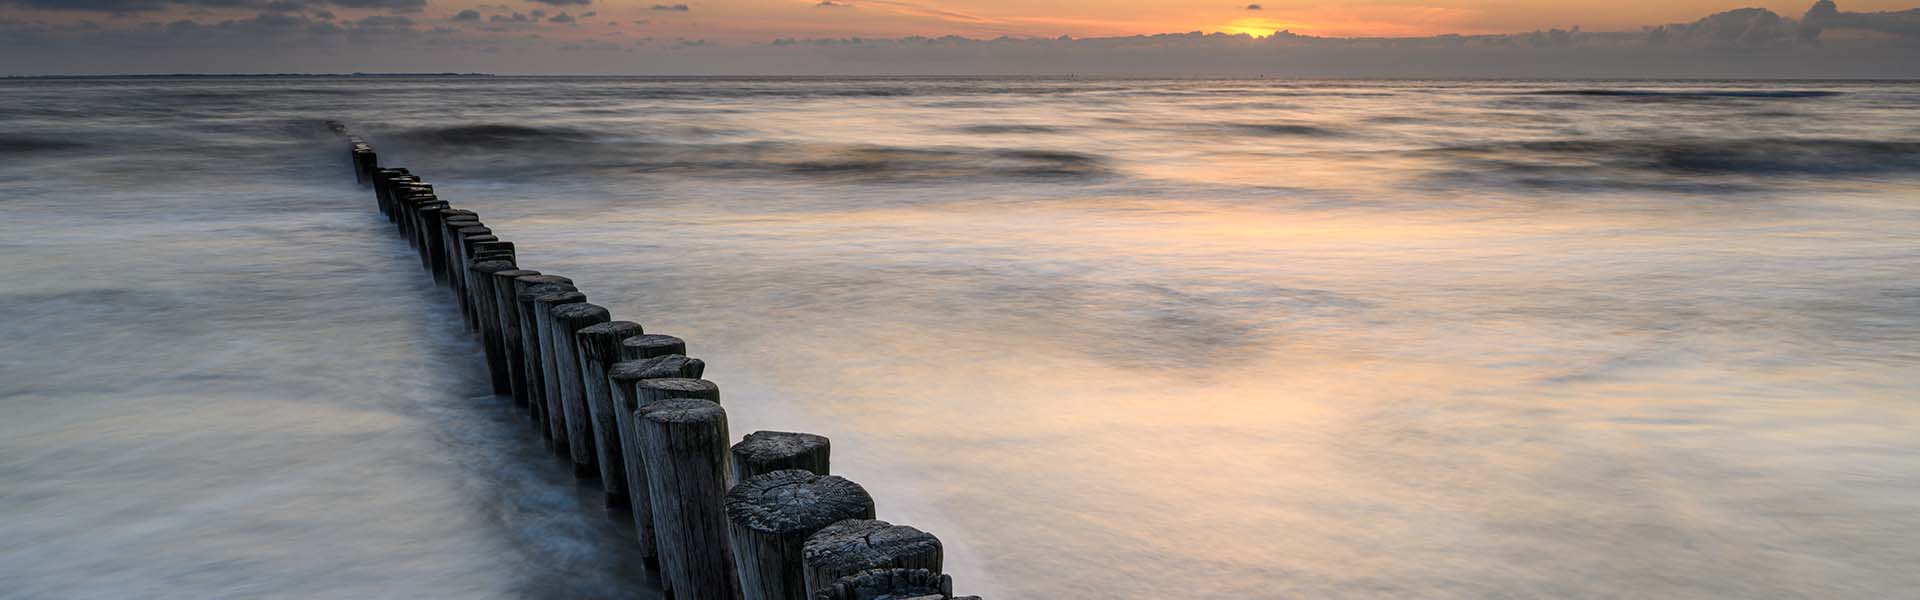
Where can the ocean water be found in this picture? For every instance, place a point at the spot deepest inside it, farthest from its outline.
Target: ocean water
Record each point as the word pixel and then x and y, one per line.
pixel 1107 339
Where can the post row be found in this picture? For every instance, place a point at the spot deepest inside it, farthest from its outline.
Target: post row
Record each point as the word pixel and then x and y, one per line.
pixel 760 519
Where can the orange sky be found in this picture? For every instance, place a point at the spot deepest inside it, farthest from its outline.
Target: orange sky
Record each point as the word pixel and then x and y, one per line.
pixel 1087 18
pixel 763 20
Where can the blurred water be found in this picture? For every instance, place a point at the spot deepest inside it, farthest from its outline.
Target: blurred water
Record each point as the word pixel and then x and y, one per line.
pixel 1133 339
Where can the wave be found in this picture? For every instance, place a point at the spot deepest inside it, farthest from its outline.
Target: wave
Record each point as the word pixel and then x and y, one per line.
pixel 520 152
pixel 1754 156
pixel 495 136
pixel 994 129
pixel 19 145
pixel 892 163
pixel 1287 129
pixel 1687 94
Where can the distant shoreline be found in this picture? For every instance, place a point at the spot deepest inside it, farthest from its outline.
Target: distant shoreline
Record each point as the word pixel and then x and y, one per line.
pixel 937 77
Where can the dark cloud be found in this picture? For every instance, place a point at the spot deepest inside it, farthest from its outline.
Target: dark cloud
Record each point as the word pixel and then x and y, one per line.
pixel 381 23
pixel 515 18
pixel 589 14
pixel 1255 7
pixel 831 4
pixel 392 5
pixel 672 7
pixel 563 17
pixel 466 16
pixel 564 2
pixel 130 6
pixel 538 13
pixel 1826 15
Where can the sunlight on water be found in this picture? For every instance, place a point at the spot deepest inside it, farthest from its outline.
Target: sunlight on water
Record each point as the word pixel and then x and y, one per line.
pixel 1127 339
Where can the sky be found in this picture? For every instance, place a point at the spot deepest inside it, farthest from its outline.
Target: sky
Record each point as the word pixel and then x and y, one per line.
pixel 1318 37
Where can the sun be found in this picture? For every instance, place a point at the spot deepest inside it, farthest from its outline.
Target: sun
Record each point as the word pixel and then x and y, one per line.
pixel 1258 26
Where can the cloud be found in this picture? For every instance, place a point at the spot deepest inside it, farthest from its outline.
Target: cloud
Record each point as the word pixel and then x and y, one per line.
pixel 563 17
pixel 832 4
pixel 1255 7
pixel 1826 15
pixel 515 18
pixel 133 6
pixel 466 16
pixel 563 2
pixel 537 14
pixel 672 7
pixel 589 14
pixel 392 5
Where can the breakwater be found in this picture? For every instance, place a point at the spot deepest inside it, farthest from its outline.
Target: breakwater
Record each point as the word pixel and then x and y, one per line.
pixel 761 518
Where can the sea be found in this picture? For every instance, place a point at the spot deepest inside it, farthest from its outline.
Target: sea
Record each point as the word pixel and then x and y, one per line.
pixel 1141 339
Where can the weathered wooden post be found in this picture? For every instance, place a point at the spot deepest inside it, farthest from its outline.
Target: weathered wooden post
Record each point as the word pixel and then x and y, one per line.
pixel 457 243
pixel 530 345
pixel 568 320
pixel 365 161
pixel 651 345
pixel 684 441
pixel 384 180
pixel 405 197
pixel 458 225
pixel 482 246
pixel 892 584
pixel 599 351
pixel 771 517
pixel 430 258
pixel 634 384
pixel 482 275
pixel 404 194
pixel 763 452
pixel 556 411
pixel 398 193
pixel 466 245
pixel 505 302
pixel 849 547
pixel 416 204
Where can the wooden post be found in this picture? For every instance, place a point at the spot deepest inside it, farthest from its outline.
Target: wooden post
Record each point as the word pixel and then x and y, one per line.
pixel 467 246
pixel 644 382
pixel 492 340
pixel 770 518
pixel 476 247
pixel 405 197
pixel 458 226
pixel 849 547
pixel 365 162
pixel 551 382
pixel 506 305
pixel 416 227
pixel 599 350
pixel 651 345
pixel 568 320
pixel 384 180
pixel 455 247
pixel 892 584
pixel 763 452
pixel 530 346
pixel 400 199
pixel 430 258
pixel 685 441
